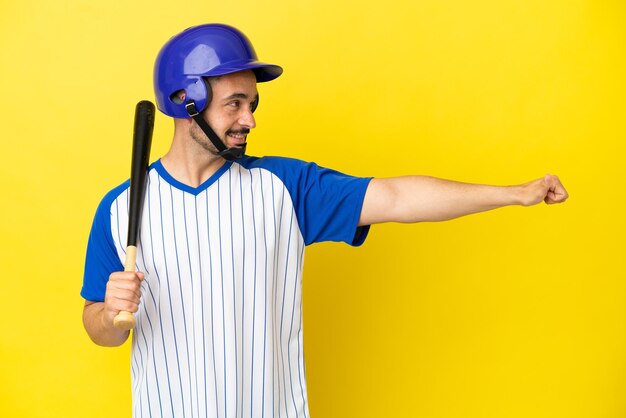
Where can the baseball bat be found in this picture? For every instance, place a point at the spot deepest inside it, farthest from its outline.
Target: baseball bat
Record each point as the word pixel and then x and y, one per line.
pixel 142 139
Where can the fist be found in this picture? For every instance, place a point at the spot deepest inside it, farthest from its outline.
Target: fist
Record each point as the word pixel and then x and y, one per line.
pixel 548 189
pixel 123 293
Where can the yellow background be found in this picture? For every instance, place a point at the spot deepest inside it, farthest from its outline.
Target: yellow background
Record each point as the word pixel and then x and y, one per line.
pixel 514 313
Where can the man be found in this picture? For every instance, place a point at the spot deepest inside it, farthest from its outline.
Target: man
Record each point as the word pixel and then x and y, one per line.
pixel 218 294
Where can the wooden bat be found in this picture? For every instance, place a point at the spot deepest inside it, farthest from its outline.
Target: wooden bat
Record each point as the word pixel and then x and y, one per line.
pixel 142 139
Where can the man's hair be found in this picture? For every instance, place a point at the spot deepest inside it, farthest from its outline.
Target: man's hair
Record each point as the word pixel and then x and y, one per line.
pixel 211 80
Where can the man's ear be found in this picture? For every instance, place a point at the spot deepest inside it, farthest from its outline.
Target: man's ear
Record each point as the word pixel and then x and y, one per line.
pixel 178 97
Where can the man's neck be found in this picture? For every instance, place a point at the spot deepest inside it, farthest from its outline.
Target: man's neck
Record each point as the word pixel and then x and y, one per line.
pixel 190 163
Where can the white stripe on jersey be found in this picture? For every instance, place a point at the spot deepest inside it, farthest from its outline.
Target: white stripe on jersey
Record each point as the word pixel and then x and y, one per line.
pixel 219 330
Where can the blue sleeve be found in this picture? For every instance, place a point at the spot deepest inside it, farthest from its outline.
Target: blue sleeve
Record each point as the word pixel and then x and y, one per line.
pixel 102 258
pixel 327 203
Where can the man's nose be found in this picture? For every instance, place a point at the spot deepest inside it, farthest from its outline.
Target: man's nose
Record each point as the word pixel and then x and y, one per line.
pixel 247 119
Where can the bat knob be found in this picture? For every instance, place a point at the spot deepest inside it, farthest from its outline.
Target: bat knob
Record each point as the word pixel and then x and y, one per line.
pixel 125 321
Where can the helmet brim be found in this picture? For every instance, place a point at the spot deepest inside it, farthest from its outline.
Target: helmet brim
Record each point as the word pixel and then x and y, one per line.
pixel 263 72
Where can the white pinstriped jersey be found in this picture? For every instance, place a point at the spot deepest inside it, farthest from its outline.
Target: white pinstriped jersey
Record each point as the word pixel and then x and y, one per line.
pixel 219 329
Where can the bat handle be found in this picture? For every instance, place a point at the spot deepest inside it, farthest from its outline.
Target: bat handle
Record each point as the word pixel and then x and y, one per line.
pixel 126 320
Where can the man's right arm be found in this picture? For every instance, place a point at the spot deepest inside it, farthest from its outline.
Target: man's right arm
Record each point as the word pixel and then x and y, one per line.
pixel 411 199
pixel 123 293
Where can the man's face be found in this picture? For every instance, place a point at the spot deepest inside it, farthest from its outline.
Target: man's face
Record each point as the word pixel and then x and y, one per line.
pixel 230 110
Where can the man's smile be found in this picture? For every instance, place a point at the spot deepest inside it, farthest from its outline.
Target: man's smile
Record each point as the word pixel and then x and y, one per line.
pixel 239 136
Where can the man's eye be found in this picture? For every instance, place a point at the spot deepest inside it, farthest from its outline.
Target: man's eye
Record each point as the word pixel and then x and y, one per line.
pixel 234 103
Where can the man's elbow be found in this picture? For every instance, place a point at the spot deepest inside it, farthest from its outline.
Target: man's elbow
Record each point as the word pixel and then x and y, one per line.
pixel 96 330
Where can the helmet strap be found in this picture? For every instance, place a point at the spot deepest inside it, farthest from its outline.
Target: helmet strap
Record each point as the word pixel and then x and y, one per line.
pixel 228 153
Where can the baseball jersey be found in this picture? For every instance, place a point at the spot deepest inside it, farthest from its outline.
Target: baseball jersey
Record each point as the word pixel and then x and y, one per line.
pixel 219 327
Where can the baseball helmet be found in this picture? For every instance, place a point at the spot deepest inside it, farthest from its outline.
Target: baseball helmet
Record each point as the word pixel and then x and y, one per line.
pixel 203 51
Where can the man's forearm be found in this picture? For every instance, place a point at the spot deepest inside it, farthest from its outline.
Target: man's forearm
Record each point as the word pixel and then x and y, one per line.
pixel 99 329
pixel 424 199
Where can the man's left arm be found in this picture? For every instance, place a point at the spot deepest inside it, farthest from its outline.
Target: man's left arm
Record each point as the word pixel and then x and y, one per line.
pixel 427 199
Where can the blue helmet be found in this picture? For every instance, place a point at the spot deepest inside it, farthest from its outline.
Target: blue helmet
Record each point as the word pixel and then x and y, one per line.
pixel 203 51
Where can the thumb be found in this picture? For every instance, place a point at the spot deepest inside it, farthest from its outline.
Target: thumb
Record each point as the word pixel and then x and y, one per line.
pixel 547 178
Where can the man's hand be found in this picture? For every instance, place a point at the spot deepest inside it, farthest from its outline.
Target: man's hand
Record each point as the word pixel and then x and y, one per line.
pixel 123 293
pixel 548 189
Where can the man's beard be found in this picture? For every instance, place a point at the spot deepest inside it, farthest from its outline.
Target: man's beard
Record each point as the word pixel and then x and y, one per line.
pixel 203 140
